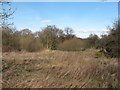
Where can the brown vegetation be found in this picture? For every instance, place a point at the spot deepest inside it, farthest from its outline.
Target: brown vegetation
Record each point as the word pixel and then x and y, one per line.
pixel 59 69
pixel 74 44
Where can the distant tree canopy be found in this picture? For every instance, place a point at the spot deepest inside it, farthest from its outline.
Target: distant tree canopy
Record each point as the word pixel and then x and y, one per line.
pixel 9 39
pixel 92 41
pixel 69 33
pixel 51 37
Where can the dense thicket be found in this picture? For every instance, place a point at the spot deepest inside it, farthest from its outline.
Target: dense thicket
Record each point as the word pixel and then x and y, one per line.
pixel 111 42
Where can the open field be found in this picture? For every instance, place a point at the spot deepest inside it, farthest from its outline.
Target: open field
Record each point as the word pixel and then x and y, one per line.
pixel 59 69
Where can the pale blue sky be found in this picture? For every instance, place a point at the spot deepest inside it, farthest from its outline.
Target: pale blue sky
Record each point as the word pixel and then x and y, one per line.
pixel 65 0
pixel 83 17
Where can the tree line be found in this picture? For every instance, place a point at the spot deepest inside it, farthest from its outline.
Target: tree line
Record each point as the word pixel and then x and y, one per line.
pixel 51 37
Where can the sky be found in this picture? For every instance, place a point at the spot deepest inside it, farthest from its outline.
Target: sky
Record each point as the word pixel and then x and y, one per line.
pixel 84 18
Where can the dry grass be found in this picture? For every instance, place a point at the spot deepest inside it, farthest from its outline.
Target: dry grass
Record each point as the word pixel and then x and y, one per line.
pixel 59 69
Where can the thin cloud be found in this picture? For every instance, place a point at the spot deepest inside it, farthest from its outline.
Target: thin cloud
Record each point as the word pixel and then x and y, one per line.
pixel 45 21
pixel 91 30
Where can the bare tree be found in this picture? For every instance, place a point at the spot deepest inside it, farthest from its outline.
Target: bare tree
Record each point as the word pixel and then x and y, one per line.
pixel 69 33
pixel 50 36
pixel 6 12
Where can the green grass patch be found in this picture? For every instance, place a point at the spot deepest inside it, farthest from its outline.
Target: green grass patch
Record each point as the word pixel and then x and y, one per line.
pixel 29 70
pixel 99 54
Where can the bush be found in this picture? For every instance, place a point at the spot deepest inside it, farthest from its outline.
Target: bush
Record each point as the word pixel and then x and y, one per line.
pixel 92 41
pixel 9 40
pixel 111 42
pixel 30 43
pixel 74 44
